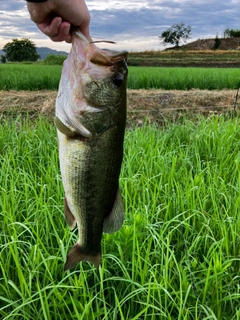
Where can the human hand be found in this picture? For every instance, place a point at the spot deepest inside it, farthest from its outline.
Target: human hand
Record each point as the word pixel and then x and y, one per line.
pixel 55 18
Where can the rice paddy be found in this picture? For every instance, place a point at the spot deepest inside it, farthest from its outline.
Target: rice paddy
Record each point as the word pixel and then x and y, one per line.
pixel 38 77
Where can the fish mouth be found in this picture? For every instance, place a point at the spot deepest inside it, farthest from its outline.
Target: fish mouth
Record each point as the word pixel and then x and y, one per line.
pixel 96 55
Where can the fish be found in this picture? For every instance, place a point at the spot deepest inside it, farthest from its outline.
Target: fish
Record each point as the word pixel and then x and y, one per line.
pixel 90 118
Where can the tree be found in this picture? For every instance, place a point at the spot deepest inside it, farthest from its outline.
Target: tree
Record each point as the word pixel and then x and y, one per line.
pixel 21 50
pixel 231 33
pixel 175 34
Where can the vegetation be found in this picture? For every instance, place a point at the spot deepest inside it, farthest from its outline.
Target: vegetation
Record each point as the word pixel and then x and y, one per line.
pixel 175 34
pixel 187 58
pixel 3 59
pixel 231 33
pixel 177 255
pixel 39 77
pixel 183 78
pixel 20 50
pixel 217 43
pixel 29 77
pixel 55 59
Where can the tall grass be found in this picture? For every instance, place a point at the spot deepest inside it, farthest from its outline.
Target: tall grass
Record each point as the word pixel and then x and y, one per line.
pixel 183 78
pixel 177 255
pixel 29 77
pixel 38 77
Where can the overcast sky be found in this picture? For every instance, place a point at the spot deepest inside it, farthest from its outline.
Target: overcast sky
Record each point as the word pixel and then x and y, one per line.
pixel 134 24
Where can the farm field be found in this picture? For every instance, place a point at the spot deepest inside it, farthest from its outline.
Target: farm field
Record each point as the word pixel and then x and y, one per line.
pixel 46 77
pixel 177 255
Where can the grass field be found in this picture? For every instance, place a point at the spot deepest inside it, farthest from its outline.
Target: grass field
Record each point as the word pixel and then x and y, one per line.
pixel 177 255
pixel 38 77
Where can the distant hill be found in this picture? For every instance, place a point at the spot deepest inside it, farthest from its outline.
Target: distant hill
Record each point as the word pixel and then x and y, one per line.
pixel 208 44
pixel 44 52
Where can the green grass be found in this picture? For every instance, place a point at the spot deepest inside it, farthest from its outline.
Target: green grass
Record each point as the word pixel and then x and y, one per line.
pixel 39 77
pixel 177 255
pixel 183 78
pixel 29 77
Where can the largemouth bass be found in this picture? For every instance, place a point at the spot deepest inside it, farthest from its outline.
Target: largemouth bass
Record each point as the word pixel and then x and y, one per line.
pixel 90 120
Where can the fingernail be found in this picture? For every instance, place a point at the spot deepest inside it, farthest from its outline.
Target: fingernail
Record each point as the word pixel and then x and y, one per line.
pixel 59 21
pixel 66 30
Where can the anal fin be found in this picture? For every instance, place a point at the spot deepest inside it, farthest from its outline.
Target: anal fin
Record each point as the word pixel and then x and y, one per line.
pixel 114 220
pixel 76 255
pixel 71 220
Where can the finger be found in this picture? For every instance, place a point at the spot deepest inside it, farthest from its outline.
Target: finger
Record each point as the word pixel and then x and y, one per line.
pixel 64 33
pixel 51 29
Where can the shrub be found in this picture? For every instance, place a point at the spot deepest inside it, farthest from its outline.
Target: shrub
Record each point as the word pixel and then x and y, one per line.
pixel 55 59
pixel 217 43
pixel 3 59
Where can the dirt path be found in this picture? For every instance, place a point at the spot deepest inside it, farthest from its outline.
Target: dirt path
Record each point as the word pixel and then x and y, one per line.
pixel 155 105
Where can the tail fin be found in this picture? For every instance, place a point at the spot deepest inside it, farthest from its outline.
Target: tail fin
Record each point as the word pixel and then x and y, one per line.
pixel 75 255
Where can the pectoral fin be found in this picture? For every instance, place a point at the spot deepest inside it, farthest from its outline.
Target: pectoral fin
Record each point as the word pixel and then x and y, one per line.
pixel 69 132
pixel 114 220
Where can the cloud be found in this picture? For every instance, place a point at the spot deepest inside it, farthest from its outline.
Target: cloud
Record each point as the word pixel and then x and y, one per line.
pixel 131 23
pixel 150 18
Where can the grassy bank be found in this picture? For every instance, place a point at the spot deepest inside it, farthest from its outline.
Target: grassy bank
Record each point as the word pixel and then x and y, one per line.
pixel 186 58
pixel 177 255
pixel 39 77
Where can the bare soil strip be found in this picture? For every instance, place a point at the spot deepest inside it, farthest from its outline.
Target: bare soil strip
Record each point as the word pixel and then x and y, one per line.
pixel 153 105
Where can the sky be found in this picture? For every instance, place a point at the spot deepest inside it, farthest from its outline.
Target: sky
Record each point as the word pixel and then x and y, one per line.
pixel 133 24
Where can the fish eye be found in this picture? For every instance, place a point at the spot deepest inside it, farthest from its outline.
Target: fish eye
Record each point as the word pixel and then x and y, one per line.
pixel 117 80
